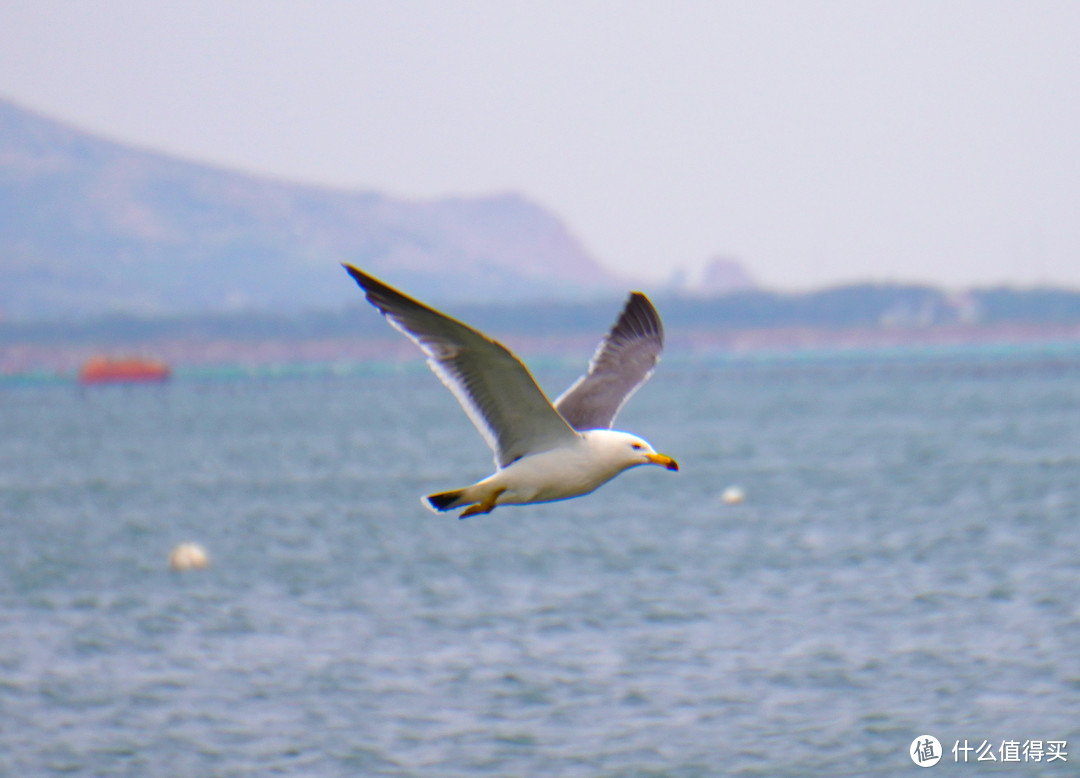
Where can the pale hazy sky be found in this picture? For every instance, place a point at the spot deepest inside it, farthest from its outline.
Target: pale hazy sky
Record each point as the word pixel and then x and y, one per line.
pixel 816 142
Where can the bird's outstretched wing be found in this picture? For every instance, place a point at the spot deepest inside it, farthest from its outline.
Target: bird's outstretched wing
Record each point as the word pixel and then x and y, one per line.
pixel 623 361
pixel 496 390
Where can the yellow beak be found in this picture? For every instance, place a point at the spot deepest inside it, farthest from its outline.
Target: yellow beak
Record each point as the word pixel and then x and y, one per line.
pixel 661 459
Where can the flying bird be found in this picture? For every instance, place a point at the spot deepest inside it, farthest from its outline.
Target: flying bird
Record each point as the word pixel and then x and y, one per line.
pixel 543 452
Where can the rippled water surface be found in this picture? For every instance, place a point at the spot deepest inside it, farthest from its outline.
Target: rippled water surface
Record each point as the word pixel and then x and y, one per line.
pixel 907 561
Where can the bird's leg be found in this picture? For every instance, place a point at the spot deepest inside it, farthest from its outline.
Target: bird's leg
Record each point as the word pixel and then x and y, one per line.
pixel 485 506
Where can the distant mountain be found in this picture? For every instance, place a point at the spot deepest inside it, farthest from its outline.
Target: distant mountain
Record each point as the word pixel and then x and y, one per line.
pixel 89 226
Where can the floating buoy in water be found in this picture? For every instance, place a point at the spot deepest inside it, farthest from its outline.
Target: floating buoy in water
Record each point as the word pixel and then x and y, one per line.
pixel 733 495
pixel 122 370
pixel 189 556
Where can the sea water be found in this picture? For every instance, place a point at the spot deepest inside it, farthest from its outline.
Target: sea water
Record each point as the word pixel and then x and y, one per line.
pixel 906 563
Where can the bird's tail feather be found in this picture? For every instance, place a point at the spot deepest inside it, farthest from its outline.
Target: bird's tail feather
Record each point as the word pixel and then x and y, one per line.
pixel 445 501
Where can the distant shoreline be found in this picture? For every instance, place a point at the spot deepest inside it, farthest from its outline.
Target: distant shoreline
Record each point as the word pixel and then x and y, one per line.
pixel 295 355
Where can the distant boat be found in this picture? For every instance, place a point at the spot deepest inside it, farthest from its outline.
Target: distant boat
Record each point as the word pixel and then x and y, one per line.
pixel 122 370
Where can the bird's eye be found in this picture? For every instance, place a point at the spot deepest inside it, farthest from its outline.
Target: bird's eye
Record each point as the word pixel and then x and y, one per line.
pixel 636 446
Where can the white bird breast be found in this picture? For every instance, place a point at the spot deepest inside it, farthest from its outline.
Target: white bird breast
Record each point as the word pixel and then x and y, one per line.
pixel 567 471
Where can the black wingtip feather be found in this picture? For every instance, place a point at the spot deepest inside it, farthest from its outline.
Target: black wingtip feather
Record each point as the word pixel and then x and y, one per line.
pixel 379 294
pixel 638 318
pixel 369 284
pixel 360 277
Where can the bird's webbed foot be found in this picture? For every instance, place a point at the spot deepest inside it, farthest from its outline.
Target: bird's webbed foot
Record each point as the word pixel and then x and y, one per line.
pixel 487 505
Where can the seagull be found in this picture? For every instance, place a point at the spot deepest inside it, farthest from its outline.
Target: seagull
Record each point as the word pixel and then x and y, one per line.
pixel 543 452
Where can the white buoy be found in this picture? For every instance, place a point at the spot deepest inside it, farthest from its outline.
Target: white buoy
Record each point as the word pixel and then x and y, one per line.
pixel 189 556
pixel 733 495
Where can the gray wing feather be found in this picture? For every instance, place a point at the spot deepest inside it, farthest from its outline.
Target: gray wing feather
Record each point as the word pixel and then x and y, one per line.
pixel 496 390
pixel 623 362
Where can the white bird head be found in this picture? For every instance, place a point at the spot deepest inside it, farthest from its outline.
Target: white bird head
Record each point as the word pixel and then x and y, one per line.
pixel 625 450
